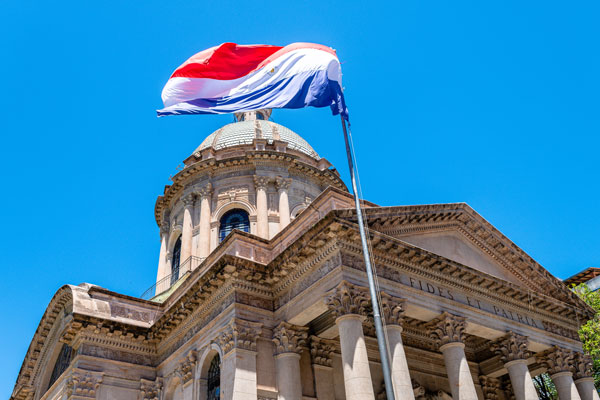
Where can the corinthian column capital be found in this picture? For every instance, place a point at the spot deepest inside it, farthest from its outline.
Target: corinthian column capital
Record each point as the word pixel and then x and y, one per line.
pixel 261 182
pixel 289 338
pixel 583 366
pixel 188 199
pixel 347 298
pixel 185 370
pixel 392 309
pixel 511 347
pixel 240 334
pixel 205 191
pixel 447 328
pixel 557 360
pixel 282 183
pixel 321 351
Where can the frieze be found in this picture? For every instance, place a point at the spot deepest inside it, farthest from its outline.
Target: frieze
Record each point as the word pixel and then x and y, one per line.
pixel 116 354
pixel 117 310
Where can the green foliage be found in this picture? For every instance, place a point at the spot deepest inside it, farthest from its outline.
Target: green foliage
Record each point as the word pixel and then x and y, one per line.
pixel 590 331
pixel 545 387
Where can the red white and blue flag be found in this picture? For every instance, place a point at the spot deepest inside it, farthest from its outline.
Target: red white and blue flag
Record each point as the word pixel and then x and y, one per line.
pixel 232 78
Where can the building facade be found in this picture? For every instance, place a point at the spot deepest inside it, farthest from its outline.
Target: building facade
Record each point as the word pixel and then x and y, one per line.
pixel 261 294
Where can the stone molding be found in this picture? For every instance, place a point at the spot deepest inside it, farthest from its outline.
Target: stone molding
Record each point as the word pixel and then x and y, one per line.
pixel 347 298
pixel 185 369
pixel 557 360
pixel 151 390
pixel 392 309
pixel 490 387
pixel 239 334
pixel 321 351
pixel 583 365
pixel 82 384
pixel 289 338
pixel 511 347
pixel 447 328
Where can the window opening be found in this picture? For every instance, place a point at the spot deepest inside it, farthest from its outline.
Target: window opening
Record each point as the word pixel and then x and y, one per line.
pixel 234 219
pixel 176 261
pixel 62 362
pixel 214 379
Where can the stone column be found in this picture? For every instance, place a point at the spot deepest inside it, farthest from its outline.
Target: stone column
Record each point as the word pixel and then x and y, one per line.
pixel 393 313
pixel 163 265
pixel 262 210
pixel 559 362
pixel 321 351
pixel 185 371
pixel 448 331
pixel 238 366
pixel 512 350
pixel 584 379
pixel 187 228
pixel 284 204
pixel 490 387
pixel 289 341
pixel 205 214
pixel 349 304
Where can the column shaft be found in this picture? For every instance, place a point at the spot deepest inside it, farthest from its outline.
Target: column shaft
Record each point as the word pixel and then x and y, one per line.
pixel 357 375
pixel 238 375
pixel 289 383
pixel 284 209
pixel 163 267
pixel 324 382
pixel 262 211
pixel 204 239
pixel 400 375
pixel 459 374
pixel 186 230
pixel 586 389
pixel 521 381
pixel 565 386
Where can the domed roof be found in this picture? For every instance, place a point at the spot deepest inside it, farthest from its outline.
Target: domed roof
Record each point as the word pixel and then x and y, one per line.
pixel 244 133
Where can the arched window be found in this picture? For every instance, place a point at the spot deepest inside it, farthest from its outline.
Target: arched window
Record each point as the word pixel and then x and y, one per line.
pixel 234 219
pixel 213 384
pixel 176 260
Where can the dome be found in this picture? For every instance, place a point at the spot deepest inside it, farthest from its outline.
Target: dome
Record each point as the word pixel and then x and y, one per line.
pixel 244 133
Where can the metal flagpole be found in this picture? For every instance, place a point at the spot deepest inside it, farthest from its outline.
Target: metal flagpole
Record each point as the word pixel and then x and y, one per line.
pixel 381 340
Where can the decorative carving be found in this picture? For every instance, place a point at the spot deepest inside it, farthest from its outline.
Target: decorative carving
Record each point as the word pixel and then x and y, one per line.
pixel 186 368
pixel 490 387
pixel 556 360
pixel 509 393
pixel 239 334
pixel 151 390
pixel 188 200
pixel 282 183
pixel 83 384
pixel 289 338
pixel 583 366
pixel 261 182
pixel 511 347
pixel 447 328
pixel 164 227
pixel 321 351
pixel 392 309
pixel 347 298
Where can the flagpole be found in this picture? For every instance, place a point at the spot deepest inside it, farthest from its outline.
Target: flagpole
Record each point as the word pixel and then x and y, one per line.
pixel 381 339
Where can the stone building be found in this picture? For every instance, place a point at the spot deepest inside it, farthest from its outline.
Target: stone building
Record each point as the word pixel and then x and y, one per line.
pixel 261 294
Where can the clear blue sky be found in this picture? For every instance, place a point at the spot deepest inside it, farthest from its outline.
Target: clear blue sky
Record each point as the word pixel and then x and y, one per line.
pixel 490 103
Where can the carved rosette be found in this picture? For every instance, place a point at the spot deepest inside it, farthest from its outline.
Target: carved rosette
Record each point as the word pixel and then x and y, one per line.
pixel 447 328
pixel 261 182
pixel 289 338
pixel 282 183
pixel 186 368
pixel 347 298
pixel 490 387
pixel 583 366
pixel 321 351
pixel 392 309
pixel 511 347
pixel 239 334
pixel 83 384
pixel 150 390
pixel 557 360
